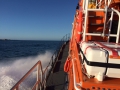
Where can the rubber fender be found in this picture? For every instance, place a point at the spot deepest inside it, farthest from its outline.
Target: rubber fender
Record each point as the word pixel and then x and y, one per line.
pixel 67 65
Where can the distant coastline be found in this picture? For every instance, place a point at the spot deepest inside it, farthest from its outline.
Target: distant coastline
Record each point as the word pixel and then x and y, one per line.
pixel 25 40
pixel 4 39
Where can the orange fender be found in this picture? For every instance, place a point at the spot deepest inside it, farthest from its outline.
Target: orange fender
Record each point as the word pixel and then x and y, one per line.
pixel 67 65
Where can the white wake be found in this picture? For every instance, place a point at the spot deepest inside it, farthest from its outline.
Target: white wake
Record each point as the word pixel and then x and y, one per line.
pixel 11 73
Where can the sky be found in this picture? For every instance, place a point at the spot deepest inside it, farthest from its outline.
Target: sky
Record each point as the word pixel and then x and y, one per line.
pixel 36 19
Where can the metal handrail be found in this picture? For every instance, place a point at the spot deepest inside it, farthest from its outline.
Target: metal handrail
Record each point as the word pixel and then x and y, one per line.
pixel 86 15
pixel 118 29
pixel 74 76
pixel 107 2
pixel 63 40
pixel 76 83
pixel 86 9
pixel 38 65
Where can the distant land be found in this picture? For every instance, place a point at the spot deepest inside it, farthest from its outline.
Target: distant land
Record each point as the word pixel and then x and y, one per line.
pixel 4 39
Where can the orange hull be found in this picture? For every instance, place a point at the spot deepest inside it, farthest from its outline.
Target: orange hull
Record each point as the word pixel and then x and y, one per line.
pixel 96 26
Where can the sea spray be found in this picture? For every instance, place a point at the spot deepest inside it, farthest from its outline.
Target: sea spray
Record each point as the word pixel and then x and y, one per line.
pixel 11 73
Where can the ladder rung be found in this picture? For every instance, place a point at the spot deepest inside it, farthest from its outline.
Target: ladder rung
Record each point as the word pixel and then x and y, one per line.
pixel 100 34
pixel 95 24
pixel 94 17
pixel 96 9
pixel 94 34
pixel 112 35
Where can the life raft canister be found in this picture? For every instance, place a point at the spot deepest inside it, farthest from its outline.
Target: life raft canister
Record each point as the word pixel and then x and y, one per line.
pixel 67 64
pixel 79 26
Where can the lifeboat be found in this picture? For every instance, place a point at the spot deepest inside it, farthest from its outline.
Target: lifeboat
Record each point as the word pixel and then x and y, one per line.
pixel 96 57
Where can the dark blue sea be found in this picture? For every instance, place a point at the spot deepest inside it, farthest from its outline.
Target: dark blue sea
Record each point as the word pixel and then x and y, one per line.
pixel 24 48
pixel 18 56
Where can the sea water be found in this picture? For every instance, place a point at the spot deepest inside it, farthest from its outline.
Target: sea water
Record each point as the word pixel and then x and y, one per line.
pixel 18 56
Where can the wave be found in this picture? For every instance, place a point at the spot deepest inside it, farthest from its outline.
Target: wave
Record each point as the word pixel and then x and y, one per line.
pixel 12 72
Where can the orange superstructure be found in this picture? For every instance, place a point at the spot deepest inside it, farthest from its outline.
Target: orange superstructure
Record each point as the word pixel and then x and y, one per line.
pixel 94 51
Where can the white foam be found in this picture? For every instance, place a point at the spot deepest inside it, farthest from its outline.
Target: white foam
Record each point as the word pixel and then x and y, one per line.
pixel 11 73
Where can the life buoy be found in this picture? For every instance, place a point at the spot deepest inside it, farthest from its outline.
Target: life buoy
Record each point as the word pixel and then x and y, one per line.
pixel 67 65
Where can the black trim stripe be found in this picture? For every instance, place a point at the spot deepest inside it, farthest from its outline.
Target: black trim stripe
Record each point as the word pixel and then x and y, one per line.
pixel 99 64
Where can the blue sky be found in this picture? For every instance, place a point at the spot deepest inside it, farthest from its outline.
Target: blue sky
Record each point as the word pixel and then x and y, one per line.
pixel 36 19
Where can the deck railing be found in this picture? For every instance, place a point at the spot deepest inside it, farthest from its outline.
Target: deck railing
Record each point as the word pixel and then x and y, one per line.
pixel 42 75
pixel 54 57
pixel 38 81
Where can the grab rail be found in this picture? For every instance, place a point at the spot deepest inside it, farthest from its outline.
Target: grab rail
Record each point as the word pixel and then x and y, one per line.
pixel 118 29
pixel 38 81
pixel 76 68
pixel 74 76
